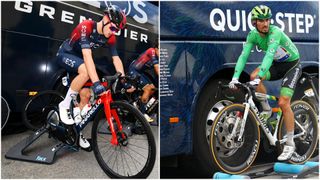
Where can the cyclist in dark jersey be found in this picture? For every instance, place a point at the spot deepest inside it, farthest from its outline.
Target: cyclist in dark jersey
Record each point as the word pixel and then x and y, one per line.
pixel 281 61
pixel 148 60
pixel 75 55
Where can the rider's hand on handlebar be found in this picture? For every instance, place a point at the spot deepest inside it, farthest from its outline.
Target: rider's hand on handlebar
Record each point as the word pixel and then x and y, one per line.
pixel 233 82
pixel 98 89
pixel 255 82
pixel 127 86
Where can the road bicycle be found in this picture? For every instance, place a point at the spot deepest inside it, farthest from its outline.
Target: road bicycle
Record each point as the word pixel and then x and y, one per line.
pixel 134 98
pixel 122 140
pixel 235 133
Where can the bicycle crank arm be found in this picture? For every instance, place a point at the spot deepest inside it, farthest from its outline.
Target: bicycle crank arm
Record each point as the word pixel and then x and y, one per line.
pixel 294 137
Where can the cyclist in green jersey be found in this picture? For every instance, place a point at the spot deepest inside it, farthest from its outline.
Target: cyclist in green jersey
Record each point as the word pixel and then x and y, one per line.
pixel 281 61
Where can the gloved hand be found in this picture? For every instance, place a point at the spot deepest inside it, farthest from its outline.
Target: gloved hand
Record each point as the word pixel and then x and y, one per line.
pixel 98 88
pixel 128 87
pixel 255 82
pixel 233 82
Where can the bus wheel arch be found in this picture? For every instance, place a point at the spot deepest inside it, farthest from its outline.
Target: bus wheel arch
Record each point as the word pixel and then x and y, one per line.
pixel 207 105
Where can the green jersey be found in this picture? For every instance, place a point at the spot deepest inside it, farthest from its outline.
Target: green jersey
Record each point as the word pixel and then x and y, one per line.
pixel 277 46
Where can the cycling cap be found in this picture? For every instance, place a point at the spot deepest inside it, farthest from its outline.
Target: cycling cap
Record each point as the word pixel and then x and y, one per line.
pixel 116 16
pixel 261 12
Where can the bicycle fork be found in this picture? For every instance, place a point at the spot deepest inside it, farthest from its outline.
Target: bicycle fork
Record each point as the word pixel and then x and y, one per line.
pixel 110 115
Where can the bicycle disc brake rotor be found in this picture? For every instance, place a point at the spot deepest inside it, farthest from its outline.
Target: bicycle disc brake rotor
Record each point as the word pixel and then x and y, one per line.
pixel 227 145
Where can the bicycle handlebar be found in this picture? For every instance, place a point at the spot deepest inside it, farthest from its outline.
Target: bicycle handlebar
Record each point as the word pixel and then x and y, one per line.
pixel 246 86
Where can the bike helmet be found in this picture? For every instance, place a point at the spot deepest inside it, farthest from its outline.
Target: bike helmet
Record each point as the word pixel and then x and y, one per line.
pixel 116 16
pixel 261 12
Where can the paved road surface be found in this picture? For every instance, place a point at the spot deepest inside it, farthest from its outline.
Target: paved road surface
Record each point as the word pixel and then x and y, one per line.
pixel 77 165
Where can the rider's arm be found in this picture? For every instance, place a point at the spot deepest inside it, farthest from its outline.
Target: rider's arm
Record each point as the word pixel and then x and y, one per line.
pixel 115 57
pixel 273 41
pixel 156 68
pixel 88 61
pixel 86 30
pixel 118 64
pixel 242 60
pixel 154 60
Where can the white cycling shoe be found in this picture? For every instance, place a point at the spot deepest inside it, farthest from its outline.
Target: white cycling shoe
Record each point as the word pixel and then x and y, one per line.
pixel 83 142
pixel 65 115
pixel 286 153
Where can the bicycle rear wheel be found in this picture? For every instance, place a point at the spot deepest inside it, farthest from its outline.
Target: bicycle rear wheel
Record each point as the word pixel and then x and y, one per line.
pixel 305 116
pixel 133 159
pixel 36 109
pixel 5 112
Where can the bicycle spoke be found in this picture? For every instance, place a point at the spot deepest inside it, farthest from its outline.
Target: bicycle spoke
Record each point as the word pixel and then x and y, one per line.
pixel 136 152
pixel 128 153
pixel 139 147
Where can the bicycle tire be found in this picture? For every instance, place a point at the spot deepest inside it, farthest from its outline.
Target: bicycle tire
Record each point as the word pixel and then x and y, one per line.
pixel 228 159
pixel 303 154
pixel 5 112
pixel 128 115
pixel 35 110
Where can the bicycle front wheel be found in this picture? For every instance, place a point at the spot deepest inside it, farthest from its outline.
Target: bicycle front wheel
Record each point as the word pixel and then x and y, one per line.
pixel 133 159
pixel 36 109
pixel 229 154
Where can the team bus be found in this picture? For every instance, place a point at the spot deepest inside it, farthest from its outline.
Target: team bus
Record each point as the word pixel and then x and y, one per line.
pixel 32 31
pixel 200 44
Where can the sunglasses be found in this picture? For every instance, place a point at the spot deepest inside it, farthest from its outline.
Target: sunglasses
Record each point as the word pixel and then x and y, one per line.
pixel 114 29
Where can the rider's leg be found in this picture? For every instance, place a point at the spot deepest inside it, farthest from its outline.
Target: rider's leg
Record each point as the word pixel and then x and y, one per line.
pixel 289 83
pixel 284 103
pixel 289 147
pixel 262 89
pixel 147 92
pixel 84 97
pixel 79 81
pixel 76 85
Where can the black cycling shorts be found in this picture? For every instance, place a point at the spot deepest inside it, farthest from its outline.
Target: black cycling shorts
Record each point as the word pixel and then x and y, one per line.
pixel 289 72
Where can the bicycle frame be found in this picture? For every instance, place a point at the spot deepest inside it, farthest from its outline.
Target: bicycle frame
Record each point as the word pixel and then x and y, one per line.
pixel 105 99
pixel 250 105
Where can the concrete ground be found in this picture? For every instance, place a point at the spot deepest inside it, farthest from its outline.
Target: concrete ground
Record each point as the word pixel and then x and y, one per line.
pixel 79 165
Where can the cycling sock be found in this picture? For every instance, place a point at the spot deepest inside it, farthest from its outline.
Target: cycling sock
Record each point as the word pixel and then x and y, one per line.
pixel 66 102
pixel 290 141
pixel 263 101
pixel 265 105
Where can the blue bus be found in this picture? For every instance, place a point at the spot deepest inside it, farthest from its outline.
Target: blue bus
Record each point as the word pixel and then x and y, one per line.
pixel 32 31
pixel 200 44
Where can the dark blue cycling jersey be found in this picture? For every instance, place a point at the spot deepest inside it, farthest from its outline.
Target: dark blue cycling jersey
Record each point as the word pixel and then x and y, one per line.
pixel 84 36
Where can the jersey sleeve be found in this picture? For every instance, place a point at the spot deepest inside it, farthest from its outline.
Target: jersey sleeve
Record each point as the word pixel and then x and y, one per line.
pixel 85 29
pixel 273 44
pixel 112 45
pixel 154 58
pixel 242 60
